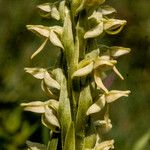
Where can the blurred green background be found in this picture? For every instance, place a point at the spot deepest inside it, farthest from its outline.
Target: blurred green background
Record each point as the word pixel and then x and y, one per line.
pixel 130 117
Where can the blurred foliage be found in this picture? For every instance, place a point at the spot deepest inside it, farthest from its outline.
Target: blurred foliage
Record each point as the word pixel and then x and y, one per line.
pixel 131 124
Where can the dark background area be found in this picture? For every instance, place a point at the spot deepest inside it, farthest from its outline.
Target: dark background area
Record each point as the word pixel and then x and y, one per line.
pixel 130 116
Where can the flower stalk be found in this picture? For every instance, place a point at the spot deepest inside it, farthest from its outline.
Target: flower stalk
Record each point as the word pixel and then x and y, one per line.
pixel 75 86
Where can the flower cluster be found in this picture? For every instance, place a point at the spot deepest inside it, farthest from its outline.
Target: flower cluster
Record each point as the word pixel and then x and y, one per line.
pixel 75 86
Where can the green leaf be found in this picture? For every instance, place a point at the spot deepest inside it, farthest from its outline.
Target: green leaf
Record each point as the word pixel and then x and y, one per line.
pixel 51 117
pixel 106 145
pixel 14 116
pixel 80 8
pixel 67 38
pixel 84 71
pixel 70 138
pixel 62 9
pixel 74 5
pixel 142 142
pixel 53 143
pixel 35 146
pixel 90 141
pixel 94 32
pixel 84 63
pixel 55 39
pixel 64 112
pixel 97 106
pixel 114 26
pixel 80 42
pixel 38 73
pixel 39 49
pixel 39 29
pixel 113 95
pixel 58 74
pixel 91 3
pixel 85 101
pixel 116 51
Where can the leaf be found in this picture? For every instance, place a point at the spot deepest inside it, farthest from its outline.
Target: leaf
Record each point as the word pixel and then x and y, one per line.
pixel 70 138
pixel 58 73
pixel 91 136
pixel 83 71
pixel 80 42
pixel 91 3
pixel 62 9
pixel 106 145
pixel 94 32
pixel 107 10
pixel 142 142
pixel 64 112
pixel 50 82
pixel 53 143
pixel 55 13
pixel 39 29
pixel 36 106
pixel 55 39
pixel 98 81
pixel 80 5
pixel 75 4
pixel 84 63
pixel 97 106
pixel 67 38
pixel 39 49
pixel 85 101
pixel 50 116
pixel 16 117
pixel 35 146
pixel 38 73
pixel 114 26
pixel 113 95
pixel 117 51
pixel 90 141
pixel 46 7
